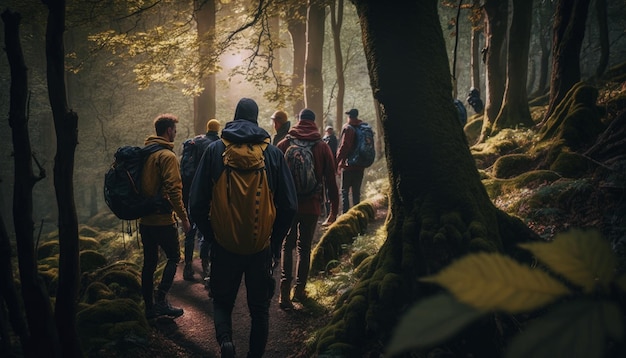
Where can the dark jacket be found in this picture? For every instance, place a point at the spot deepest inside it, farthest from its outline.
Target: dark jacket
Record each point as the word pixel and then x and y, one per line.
pixel 212 165
pixel 324 165
pixel 347 144
pixel 281 132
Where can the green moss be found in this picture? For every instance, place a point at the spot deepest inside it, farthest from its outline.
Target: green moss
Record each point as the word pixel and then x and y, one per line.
pixel 108 321
pixel 512 165
pixel 91 260
pixel 572 165
pixel 125 284
pixel 88 243
pixel 473 127
pixel 97 291
pixel 363 267
pixel 358 257
pixel 480 244
pixel 48 249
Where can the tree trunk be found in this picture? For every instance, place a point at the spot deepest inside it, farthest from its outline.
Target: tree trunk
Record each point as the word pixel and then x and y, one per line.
pixel 313 80
pixel 545 12
pixel 515 111
pixel 9 296
pixel 439 207
pixel 296 24
pixel 66 127
pixel 336 21
pixel 496 12
pixel 569 31
pixel 476 19
pixel 204 104
pixel 43 333
pixel 603 31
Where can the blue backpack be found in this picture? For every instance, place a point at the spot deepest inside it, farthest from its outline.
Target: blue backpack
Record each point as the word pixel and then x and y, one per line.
pixel 364 152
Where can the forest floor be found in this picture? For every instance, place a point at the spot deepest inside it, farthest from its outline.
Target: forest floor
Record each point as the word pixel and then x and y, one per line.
pixel 193 334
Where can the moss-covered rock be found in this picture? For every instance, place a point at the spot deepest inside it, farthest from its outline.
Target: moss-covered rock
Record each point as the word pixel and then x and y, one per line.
pixel 91 260
pixel 358 257
pixel 572 165
pixel 88 243
pixel 97 291
pixel 512 165
pixel 473 127
pixel 109 321
pixel 48 249
pixel 125 284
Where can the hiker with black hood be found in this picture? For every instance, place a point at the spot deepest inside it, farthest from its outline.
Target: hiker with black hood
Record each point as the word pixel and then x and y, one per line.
pixel 243 199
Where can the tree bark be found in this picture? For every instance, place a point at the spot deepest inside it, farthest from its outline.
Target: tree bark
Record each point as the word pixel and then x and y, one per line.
pixel 514 111
pixel 476 20
pixel 204 104
pixel 496 12
pixel 296 24
pixel 603 31
pixel 43 334
pixel 439 207
pixel 569 31
pixel 66 128
pixel 336 21
pixel 313 80
pixel 545 14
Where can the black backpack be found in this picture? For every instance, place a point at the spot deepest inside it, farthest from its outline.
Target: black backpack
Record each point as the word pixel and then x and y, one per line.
pixel 122 185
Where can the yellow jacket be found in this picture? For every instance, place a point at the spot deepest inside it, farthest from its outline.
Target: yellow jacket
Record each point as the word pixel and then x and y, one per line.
pixel 162 171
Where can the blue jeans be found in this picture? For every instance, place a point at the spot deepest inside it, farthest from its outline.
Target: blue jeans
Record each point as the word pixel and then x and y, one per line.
pixel 152 237
pixel 351 179
pixel 227 269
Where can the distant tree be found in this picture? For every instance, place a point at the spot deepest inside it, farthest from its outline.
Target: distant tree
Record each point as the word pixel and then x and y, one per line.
pixel 66 127
pixel 476 20
pixel 569 31
pixel 313 79
pixel 440 210
pixel 204 103
pixel 514 110
pixel 603 29
pixel 543 21
pixel 336 21
pixel 296 24
pixel 496 13
pixel 43 337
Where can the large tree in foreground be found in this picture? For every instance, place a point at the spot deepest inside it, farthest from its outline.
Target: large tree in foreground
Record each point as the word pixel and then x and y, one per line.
pixel 439 207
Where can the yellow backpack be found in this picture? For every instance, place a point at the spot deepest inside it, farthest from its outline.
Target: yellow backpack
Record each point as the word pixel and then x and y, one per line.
pixel 242 209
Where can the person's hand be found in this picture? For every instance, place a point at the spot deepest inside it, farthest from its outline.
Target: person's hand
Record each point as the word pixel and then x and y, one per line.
pixel 186 226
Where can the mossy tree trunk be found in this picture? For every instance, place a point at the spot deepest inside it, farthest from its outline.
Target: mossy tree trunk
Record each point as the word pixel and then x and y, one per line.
pixel 296 24
pixel 204 104
pixel 496 13
pixel 515 111
pixel 439 207
pixel 569 31
pixel 43 334
pixel 66 128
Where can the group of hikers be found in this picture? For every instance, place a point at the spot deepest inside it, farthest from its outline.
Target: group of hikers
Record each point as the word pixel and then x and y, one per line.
pixel 251 201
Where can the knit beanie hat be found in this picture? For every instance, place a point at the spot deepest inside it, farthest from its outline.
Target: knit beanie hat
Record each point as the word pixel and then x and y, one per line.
pixel 279 117
pixel 247 109
pixel 213 125
pixel 307 114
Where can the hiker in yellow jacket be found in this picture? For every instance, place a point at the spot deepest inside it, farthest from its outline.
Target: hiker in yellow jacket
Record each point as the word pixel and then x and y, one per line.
pixel 161 176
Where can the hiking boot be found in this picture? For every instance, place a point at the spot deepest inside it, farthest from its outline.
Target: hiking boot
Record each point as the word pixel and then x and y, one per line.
pixel 299 295
pixel 164 308
pixel 188 272
pixel 228 349
pixel 286 305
